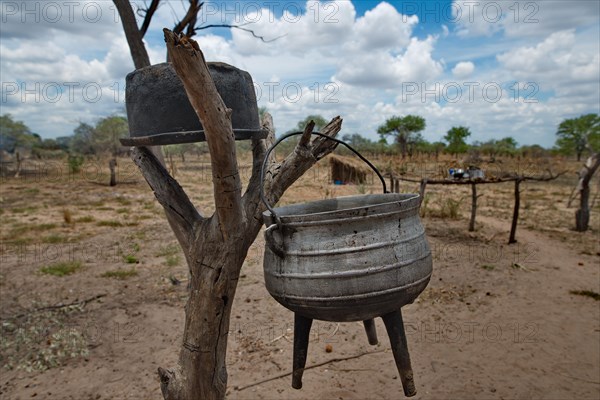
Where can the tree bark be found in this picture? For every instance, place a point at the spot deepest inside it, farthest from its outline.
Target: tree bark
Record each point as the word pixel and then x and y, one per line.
pixel 133 34
pixel 582 215
pixel 215 247
pixel 402 140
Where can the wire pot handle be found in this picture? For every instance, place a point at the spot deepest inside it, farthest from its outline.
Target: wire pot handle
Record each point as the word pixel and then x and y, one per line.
pixel 286 136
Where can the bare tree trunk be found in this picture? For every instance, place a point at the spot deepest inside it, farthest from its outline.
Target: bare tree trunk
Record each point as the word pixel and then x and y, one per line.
pixel 402 141
pixel 215 247
pixel 112 165
pixel 515 219
pixel 473 207
pixel 582 215
pixel 133 34
pixel 19 164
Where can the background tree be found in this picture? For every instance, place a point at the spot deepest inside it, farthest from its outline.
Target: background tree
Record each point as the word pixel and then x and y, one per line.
pixel 288 145
pixel 106 135
pixel 15 134
pixel 507 146
pixel 503 147
pixel 101 140
pixel 81 141
pixel 319 121
pixel 438 147
pixel 456 139
pixel 105 139
pixel 402 128
pixel 575 135
pixel 431 149
pixel 534 151
pixel 416 143
pixel 361 144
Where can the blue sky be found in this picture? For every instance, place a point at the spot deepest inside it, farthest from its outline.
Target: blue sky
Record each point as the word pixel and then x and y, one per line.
pixel 502 68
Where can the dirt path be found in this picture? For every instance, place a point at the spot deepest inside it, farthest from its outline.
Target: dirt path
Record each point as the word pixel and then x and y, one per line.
pixel 483 329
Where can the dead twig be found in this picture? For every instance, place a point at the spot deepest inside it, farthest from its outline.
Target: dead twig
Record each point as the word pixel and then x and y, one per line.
pixel 240 27
pixel 59 306
pixel 519 266
pixel 283 336
pixel 333 360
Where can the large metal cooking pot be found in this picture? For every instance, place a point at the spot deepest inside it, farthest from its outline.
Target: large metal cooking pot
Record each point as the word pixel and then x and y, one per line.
pixel 346 259
pixel 159 111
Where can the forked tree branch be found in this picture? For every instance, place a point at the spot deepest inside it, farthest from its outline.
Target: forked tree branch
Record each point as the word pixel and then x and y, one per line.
pixel 259 149
pixel 189 20
pixel 133 34
pixel 183 216
pixel 280 176
pixel 190 65
pixel 148 16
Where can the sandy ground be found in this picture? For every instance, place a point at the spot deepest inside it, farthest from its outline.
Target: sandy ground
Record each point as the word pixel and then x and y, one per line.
pixel 496 321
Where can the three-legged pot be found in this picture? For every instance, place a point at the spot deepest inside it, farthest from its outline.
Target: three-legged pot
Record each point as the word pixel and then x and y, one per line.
pixel 348 259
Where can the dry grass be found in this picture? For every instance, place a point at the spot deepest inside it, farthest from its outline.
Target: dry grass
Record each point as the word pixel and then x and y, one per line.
pixel 109 217
pixel 39 342
pixel 120 274
pixel 62 268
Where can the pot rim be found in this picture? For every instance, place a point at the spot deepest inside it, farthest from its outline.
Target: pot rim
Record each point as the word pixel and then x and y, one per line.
pixel 163 139
pixel 398 202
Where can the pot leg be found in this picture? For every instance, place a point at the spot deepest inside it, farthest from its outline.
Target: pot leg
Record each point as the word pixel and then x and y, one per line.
pixel 371 331
pixel 302 327
pixel 395 329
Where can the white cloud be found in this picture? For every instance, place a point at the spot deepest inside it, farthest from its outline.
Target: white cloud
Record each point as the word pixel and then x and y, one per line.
pixel 383 28
pixel 384 69
pixel 463 69
pixel 518 19
pixel 562 62
pixel 551 54
pixel 342 63
pixel 445 30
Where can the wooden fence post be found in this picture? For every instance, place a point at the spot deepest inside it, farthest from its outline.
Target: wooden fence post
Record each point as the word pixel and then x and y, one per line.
pixel 473 206
pixel 515 219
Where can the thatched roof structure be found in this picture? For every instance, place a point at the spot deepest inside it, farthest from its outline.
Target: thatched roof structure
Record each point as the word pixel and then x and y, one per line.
pixel 346 170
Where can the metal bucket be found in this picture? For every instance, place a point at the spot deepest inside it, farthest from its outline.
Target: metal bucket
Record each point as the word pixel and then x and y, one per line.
pixel 346 259
pixel 159 111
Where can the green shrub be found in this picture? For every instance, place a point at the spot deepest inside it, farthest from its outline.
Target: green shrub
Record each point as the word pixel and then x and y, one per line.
pixel 75 162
